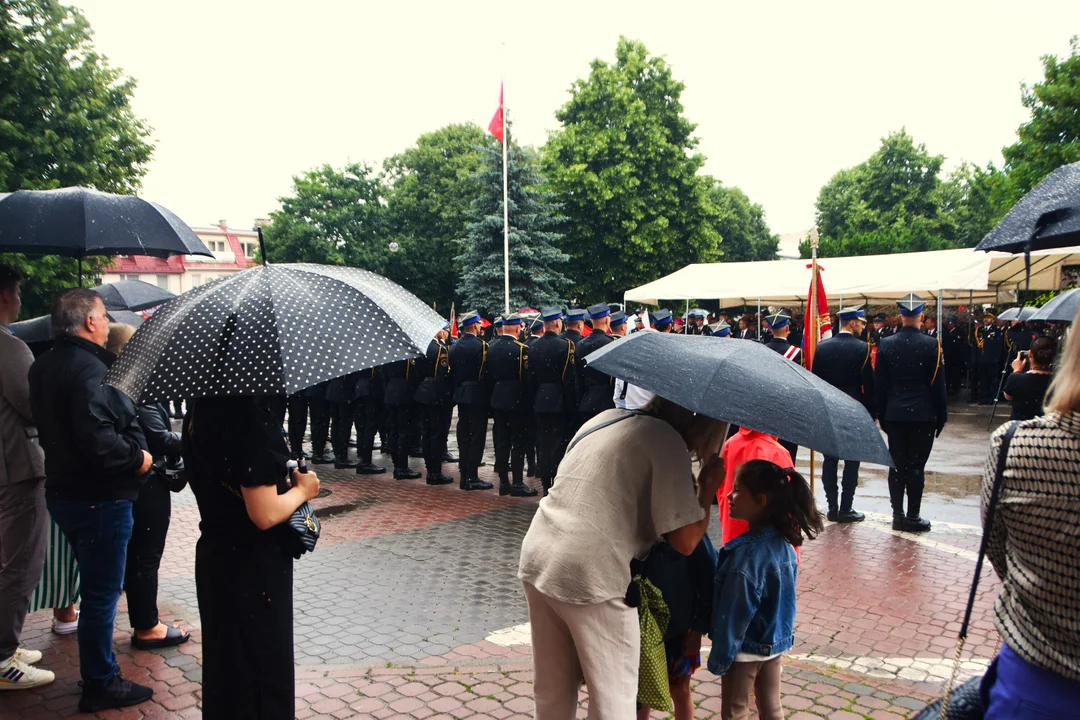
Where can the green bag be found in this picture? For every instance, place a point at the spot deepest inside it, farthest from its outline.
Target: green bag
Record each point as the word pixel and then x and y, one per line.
pixel 653 618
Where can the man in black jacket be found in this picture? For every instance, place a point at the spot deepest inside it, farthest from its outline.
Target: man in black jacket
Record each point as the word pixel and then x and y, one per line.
pixel 511 404
pixel 551 363
pixel 434 404
pixel 95 459
pixel 367 416
pixel 469 373
pixel 402 380
pixel 913 408
pixel 843 361
pixel 597 388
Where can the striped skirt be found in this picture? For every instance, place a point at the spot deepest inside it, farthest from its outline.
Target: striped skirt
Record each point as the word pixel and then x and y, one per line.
pixel 59 584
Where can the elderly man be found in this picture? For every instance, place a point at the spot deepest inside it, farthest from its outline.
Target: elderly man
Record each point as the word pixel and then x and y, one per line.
pixel 24 522
pixel 95 461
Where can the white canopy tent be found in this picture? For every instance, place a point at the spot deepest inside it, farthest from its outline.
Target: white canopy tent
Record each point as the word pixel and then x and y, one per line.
pixel 957 276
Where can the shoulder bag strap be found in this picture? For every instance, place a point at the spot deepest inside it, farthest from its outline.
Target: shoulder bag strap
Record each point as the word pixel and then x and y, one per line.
pixel 612 421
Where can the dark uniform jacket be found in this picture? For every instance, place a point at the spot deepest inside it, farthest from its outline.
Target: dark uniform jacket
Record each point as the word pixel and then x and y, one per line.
pixel 991 343
pixel 843 361
pixel 572 335
pixel 1019 338
pixel 508 361
pixel 909 381
pixel 785 348
pixel 401 381
pixel 342 389
pixel 435 387
pixel 552 363
pixel 469 370
pixel 596 388
pixel 369 384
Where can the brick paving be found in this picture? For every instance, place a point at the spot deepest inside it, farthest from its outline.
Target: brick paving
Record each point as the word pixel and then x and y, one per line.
pixel 398 614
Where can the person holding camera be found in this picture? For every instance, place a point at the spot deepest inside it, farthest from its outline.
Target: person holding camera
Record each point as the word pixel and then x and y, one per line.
pixel 1026 386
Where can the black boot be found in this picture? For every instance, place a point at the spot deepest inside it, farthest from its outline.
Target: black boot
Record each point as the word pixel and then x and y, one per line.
pixel 448 458
pixel 915 524
pixel 321 458
pixel 898 521
pixel 117 693
pixel 475 484
pixel 368 468
pixel 438 479
pixel 342 462
pixel 519 488
pixel 405 473
pixel 833 512
pixel 850 516
pixel 504 484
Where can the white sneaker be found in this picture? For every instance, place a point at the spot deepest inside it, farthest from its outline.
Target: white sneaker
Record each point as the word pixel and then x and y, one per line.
pixel 27 656
pixel 66 628
pixel 17 675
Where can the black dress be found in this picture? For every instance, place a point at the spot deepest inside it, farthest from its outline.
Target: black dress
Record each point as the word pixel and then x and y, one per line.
pixel 243 576
pixel 1027 390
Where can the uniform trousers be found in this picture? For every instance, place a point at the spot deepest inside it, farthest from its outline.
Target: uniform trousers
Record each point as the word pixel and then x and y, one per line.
pixel 530 441
pixel 508 434
pixel 399 420
pixel 24 528
pixel 298 417
pixel 367 416
pixel 471 433
pixel 343 413
pixel 792 448
pixel 435 432
pixel 989 379
pixel 910 444
pixel 320 421
pixel 550 444
pixel 829 467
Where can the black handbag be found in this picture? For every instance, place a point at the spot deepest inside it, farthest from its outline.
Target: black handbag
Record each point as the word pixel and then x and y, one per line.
pixel 303 530
pixel 966 702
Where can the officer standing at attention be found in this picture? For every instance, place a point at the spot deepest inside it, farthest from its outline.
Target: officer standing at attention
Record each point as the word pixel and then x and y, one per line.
pixel 877 330
pixel 298 417
pixel 618 324
pixel 367 415
pixel 341 395
pixel 843 361
pixel 661 321
pixel 552 361
pixel 402 381
pixel 511 404
pixel 469 372
pixel 596 386
pixel 434 404
pixel 320 424
pixel 780 326
pixel 575 319
pixel 912 407
pixel 696 320
pixel 991 360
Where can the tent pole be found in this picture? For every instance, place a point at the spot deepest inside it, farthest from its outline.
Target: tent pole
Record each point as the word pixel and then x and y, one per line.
pixel 970 339
pixel 757 320
pixel 686 319
pixel 940 308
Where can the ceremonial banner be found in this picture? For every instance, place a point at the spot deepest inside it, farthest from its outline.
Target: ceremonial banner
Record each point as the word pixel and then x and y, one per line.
pixel 817 322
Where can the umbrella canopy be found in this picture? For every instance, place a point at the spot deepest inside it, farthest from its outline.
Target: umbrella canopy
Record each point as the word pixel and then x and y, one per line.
pixel 1022 314
pixel 39 329
pixel 272 329
pixel 132 295
pixel 1048 216
pixel 1061 308
pixel 77 222
pixel 747 384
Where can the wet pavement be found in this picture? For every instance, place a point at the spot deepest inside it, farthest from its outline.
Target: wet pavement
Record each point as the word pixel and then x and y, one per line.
pixel 410 606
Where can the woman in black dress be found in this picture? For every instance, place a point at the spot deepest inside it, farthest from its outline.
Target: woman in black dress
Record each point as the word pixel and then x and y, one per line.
pixel 1026 386
pixel 236 456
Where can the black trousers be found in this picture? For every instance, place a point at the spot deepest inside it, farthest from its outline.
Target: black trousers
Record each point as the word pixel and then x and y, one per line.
pixel 508 434
pixel 246 606
pixel 150 514
pixel 367 416
pixel 320 421
pixel 792 449
pixel 989 378
pixel 550 444
pixel 298 415
pixel 435 431
pixel 342 428
pixel 471 434
pixel 829 467
pixel 530 440
pixel 910 445
pixel 399 421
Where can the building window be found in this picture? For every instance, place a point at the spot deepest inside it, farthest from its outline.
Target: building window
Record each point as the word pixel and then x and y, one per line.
pixel 196 281
pixel 129 277
pixel 249 249
pixel 217 246
pixel 163 282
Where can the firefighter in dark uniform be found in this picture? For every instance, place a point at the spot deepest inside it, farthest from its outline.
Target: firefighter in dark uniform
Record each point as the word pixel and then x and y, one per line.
pixel 596 387
pixel 695 320
pixel 433 404
pixel 618 324
pixel 877 329
pixel 511 404
pixel 990 341
pixel 843 361
pixel 780 326
pixel 298 419
pixel 400 387
pixel 552 361
pixel 469 373
pixel 720 329
pixel 340 394
pixel 954 352
pixel 661 320
pixel 912 406
pixel 572 324
pixel 367 416
pixel 573 321
pixel 320 424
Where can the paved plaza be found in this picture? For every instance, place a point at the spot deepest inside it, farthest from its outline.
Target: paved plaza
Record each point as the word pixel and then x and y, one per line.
pixel 410 608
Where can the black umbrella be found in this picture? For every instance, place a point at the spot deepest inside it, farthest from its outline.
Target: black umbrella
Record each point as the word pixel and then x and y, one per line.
pixel 1061 308
pixel 39 329
pixel 746 384
pixel 76 222
pixel 272 329
pixel 1022 314
pixel 132 295
pixel 1047 217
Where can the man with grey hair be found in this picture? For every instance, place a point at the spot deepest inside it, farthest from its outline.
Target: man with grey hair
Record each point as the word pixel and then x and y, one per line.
pixel 95 461
pixel 24 522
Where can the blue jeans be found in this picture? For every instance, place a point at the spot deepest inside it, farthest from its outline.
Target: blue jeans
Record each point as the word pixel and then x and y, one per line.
pixel 99 534
pixel 1022 691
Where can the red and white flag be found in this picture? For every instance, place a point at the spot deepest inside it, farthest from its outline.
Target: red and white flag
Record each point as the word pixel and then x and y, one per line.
pixel 496 126
pixel 817 323
pixel 453 321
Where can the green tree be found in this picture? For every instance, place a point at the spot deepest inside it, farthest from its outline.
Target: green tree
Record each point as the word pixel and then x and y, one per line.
pixel 65 119
pixel 1051 138
pixel 333 218
pixel 742 225
pixel 623 169
pixel 535 259
pixel 433 187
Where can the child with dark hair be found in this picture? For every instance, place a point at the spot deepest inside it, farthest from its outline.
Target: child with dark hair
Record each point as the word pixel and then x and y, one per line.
pixel 754 600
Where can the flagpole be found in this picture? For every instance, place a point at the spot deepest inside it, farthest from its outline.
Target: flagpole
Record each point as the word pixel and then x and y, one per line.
pixel 506 206
pixel 814 319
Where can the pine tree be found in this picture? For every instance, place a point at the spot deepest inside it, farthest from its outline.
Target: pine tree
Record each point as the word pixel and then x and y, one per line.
pixel 535 259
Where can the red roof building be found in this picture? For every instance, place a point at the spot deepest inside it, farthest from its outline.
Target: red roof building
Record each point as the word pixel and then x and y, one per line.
pixel 234 250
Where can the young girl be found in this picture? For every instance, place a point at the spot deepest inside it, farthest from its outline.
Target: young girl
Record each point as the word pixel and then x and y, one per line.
pixel 754 601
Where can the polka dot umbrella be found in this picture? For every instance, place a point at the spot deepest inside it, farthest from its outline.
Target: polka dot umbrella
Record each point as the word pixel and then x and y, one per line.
pixel 272 329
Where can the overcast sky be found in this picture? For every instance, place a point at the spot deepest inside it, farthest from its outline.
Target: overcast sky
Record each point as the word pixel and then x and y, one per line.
pixel 244 95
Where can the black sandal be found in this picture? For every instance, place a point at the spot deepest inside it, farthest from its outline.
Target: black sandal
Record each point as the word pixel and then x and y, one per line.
pixel 173 636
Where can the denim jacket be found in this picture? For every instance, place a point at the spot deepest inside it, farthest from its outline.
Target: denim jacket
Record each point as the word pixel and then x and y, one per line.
pixel 754 598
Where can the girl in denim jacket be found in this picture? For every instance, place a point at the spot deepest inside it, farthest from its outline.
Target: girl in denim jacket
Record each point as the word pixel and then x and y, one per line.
pixel 754 600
